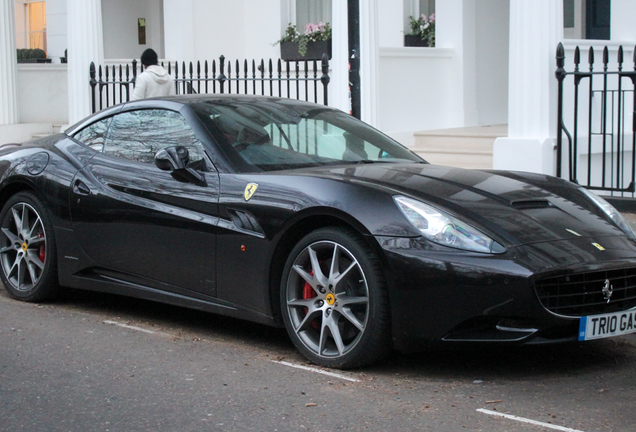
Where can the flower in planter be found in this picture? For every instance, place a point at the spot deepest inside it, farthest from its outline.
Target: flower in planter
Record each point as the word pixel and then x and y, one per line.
pixel 312 33
pixel 424 28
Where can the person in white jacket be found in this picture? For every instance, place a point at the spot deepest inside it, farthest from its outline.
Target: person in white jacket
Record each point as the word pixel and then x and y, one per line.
pixel 154 80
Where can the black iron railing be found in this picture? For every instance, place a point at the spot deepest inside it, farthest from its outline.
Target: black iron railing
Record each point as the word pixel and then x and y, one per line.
pixel 599 125
pixel 303 80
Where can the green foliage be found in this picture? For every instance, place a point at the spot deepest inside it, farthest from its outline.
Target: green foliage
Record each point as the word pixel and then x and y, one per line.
pixel 291 34
pixel 424 28
pixel 25 54
pixel 313 33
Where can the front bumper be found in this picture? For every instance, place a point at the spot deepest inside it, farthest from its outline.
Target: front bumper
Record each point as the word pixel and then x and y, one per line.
pixel 440 295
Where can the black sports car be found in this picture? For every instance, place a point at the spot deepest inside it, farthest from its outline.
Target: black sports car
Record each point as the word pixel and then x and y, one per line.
pixel 294 214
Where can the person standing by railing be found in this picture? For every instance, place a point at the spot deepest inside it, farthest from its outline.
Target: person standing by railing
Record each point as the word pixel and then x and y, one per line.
pixel 154 80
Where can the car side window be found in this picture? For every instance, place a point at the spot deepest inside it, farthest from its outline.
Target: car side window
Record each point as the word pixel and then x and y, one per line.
pixel 139 135
pixel 93 135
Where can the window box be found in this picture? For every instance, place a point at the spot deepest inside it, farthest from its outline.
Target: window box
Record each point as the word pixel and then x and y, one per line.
pixel 315 50
pixel 414 41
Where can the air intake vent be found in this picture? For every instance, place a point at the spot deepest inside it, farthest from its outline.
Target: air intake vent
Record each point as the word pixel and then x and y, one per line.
pixel 531 204
pixel 245 221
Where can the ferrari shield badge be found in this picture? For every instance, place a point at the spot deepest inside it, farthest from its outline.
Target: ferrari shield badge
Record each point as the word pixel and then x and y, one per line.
pixel 596 245
pixel 249 191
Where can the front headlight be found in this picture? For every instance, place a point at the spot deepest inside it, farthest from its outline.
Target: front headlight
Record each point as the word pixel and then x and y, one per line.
pixel 609 210
pixel 442 228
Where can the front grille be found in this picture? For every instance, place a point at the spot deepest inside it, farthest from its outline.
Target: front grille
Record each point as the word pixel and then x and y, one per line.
pixel 581 294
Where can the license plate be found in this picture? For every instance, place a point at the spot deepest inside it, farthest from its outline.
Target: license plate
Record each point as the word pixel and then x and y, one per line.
pixel 607 325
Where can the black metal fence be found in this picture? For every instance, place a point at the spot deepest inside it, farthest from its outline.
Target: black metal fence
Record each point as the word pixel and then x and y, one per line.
pixel 303 80
pixel 600 122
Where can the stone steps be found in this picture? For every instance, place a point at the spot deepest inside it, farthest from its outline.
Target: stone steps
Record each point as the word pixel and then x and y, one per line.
pixel 55 129
pixel 469 147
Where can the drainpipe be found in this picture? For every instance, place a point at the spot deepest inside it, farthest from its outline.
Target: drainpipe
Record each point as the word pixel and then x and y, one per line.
pixel 354 56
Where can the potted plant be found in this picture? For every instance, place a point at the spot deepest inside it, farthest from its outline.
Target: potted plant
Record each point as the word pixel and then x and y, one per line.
pixel 422 31
pixel 311 45
pixel 32 56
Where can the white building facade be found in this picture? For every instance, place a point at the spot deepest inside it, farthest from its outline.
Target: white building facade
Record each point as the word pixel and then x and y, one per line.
pixel 493 63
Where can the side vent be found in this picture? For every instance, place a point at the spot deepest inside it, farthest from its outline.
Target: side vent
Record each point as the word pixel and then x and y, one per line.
pixel 245 221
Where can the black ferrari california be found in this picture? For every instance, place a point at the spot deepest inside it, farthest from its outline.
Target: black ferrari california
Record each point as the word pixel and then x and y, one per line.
pixel 293 214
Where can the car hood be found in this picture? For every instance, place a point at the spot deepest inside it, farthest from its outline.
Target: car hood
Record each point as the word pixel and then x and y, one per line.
pixel 515 207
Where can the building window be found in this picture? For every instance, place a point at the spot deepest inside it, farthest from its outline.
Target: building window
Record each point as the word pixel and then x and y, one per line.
pixel 415 8
pixel 35 15
pixel 586 19
pixel 302 12
pixel 573 19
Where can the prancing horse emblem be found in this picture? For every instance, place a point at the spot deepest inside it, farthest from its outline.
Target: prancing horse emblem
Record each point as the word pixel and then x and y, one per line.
pixel 249 191
pixel 607 290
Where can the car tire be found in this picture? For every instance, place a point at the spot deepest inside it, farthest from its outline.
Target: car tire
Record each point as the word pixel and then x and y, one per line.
pixel 336 315
pixel 28 258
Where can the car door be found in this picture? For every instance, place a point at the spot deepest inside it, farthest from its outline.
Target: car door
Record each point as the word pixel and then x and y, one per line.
pixel 138 223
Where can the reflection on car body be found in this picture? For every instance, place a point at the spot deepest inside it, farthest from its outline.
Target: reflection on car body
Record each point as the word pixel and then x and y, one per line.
pixel 293 214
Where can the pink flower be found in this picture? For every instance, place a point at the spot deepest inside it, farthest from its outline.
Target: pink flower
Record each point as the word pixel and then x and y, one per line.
pixel 432 18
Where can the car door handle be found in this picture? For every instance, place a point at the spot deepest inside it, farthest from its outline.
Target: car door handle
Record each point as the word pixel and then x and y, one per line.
pixel 79 187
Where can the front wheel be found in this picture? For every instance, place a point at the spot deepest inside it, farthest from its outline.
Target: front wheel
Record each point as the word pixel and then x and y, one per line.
pixel 334 300
pixel 27 249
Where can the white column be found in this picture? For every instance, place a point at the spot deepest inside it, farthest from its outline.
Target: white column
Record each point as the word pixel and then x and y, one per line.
pixel 622 21
pixel 8 65
pixel 369 61
pixel 85 45
pixel 339 64
pixel 178 30
pixel 535 30
pixel 455 28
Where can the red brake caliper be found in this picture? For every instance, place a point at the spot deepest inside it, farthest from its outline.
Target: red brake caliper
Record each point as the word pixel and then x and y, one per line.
pixel 42 249
pixel 308 293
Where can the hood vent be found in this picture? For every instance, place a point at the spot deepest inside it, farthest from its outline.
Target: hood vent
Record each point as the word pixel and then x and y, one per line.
pixel 529 204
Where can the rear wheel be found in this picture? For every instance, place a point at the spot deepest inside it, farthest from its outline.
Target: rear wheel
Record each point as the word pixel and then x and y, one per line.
pixel 334 301
pixel 27 249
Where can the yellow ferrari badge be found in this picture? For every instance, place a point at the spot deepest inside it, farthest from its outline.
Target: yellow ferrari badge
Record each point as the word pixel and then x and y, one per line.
pixel 331 299
pixel 598 246
pixel 249 191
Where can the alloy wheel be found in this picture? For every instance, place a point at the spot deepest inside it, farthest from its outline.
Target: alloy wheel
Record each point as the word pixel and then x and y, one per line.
pixel 22 246
pixel 327 299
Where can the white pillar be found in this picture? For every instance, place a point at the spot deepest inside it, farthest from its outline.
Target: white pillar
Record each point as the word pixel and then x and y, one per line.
pixel 622 21
pixel 8 65
pixel 535 30
pixel 369 61
pixel 178 30
pixel 455 28
pixel 339 64
pixel 85 45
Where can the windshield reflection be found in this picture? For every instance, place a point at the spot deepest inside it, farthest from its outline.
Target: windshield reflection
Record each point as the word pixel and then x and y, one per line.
pixel 269 135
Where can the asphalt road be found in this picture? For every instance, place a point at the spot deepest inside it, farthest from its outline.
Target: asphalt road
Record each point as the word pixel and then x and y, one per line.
pixel 95 362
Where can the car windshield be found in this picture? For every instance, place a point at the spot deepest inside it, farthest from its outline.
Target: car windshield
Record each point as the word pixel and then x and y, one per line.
pixel 270 135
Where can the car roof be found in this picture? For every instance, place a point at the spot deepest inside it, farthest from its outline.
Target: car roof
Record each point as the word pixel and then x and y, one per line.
pixel 177 102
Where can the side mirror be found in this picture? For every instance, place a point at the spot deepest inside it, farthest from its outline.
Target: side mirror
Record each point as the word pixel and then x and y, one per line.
pixel 172 158
pixel 175 159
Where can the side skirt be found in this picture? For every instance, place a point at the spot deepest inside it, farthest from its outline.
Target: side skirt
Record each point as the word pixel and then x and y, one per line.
pixel 111 285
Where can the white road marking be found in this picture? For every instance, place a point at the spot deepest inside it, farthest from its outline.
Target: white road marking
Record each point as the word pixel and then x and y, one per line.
pixel 316 370
pixel 118 324
pixel 525 420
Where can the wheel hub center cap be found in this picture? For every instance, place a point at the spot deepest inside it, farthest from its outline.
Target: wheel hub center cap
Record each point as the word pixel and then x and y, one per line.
pixel 331 299
pixel 24 247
